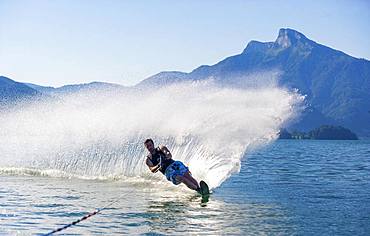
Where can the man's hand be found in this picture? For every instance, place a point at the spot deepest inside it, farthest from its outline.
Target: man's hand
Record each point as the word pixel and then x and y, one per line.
pixel 152 168
pixel 156 168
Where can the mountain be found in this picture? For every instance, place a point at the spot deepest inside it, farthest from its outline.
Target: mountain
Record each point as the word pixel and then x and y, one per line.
pixel 75 88
pixel 42 89
pixel 163 78
pixel 12 92
pixel 336 85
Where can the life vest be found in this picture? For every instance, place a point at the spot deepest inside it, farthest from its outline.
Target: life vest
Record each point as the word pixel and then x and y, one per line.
pixel 160 157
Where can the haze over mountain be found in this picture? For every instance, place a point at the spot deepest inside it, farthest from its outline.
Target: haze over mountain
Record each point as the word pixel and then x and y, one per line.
pixel 13 93
pixel 337 85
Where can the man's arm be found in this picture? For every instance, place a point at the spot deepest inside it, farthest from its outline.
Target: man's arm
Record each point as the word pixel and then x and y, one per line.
pixel 167 152
pixel 152 168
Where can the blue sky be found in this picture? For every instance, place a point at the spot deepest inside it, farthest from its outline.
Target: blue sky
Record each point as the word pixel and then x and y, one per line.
pixel 78 41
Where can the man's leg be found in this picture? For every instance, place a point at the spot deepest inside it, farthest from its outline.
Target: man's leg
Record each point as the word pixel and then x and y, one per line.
pixel 187 182
pixel 191 178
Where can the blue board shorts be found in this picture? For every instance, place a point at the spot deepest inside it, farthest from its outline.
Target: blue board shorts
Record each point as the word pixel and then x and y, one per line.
pixel 175 169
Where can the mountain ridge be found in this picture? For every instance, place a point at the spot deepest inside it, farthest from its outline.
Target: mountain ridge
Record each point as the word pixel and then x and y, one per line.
pixel 335 83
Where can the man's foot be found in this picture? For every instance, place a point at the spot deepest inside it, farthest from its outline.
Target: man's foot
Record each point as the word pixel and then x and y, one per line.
pixel 199 190
pixel 204 188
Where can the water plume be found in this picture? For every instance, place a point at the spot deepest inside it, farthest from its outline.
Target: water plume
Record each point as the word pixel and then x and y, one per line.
pixel 95 134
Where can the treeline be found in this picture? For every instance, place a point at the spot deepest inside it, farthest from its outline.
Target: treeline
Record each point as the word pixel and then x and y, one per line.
pixel 328 132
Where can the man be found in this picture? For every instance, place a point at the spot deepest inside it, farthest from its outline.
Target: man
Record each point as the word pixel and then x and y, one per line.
pixel 160 158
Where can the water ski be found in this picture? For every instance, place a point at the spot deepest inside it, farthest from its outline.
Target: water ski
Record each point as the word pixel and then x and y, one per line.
pixel 204 190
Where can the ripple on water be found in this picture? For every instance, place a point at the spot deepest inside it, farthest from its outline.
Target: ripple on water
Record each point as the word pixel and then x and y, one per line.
pixel 289 188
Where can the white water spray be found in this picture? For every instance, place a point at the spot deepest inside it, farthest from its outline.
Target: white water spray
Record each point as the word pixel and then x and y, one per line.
pixel 100 135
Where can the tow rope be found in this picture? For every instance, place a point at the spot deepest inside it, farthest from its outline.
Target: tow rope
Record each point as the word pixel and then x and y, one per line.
pixel 84 217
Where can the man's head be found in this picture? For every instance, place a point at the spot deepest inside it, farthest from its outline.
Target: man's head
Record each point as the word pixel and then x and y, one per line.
pixel 149 144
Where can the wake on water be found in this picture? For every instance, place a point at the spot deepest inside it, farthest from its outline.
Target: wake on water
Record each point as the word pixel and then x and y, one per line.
pixel 100 134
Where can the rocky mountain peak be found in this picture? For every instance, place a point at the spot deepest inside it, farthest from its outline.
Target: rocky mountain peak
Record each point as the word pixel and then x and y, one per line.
pixel 289 37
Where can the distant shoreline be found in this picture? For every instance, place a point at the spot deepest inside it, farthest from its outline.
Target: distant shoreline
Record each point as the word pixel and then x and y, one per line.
pixel 324 132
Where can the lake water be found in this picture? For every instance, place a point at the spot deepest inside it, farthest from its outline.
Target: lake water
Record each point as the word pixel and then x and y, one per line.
pixel 290 187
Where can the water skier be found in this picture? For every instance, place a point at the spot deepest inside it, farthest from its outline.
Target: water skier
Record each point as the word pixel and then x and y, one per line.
pixel 160 158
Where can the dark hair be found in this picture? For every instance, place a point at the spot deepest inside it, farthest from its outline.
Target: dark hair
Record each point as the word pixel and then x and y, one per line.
pixel 148 140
